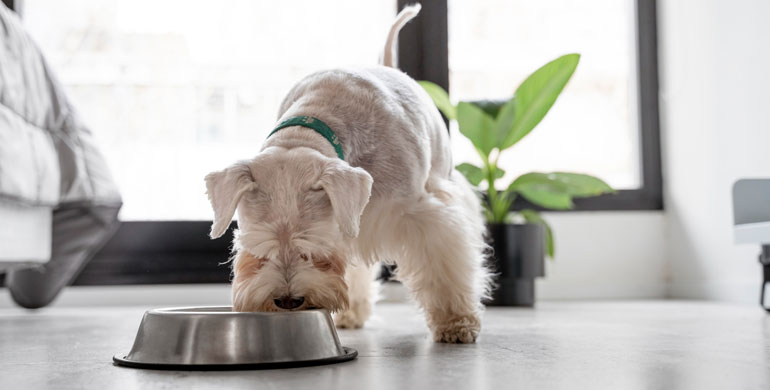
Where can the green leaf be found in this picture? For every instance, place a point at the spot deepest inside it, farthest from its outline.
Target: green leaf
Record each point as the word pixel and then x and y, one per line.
pixel 503 113
pixel 536 95
pixel 491 107
pixel 556 190
pixel 581 185
pixel 471 172
pixel 502 207
pixel 546 198
pixel 476 175
pixel 533 216
pixel 542 190
pixel 440 99
pixel 477 126
pixel 504 123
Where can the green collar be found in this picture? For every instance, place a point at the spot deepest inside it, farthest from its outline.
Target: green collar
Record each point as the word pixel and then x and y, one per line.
pixel 316 124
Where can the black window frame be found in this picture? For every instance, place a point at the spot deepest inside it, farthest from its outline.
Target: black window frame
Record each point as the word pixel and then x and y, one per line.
pixel 177 252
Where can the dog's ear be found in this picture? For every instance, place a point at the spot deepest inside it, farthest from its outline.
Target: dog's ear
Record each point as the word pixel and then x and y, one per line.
pixel 349 189
pixel 225 189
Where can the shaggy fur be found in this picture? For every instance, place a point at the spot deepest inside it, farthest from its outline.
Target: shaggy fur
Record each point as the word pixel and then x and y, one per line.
pixel 313 226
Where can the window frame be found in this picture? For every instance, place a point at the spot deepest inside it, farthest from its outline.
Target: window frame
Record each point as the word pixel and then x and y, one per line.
pixel 177 252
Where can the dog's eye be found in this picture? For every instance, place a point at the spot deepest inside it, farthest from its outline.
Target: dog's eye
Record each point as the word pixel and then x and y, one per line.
pixel 322 264
pixel 303 257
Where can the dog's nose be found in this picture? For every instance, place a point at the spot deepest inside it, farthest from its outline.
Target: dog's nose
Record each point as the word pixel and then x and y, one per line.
pixel 289 303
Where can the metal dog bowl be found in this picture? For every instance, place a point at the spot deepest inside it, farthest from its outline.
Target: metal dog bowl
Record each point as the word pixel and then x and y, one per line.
pixel 216 338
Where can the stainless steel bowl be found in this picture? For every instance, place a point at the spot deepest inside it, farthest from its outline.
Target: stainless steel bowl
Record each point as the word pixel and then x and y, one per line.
pixel 207 338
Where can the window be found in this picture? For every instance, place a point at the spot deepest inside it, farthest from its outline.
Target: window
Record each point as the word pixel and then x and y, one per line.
pixel 174 89
pixel 612 98
pixel 495 44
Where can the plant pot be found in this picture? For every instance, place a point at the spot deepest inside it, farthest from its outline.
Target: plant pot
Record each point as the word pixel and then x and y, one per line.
pixel 518 258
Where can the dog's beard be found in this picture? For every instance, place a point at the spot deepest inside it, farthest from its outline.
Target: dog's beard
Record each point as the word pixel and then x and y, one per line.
pixel 294 263
pixel 252 295
pixel 257 283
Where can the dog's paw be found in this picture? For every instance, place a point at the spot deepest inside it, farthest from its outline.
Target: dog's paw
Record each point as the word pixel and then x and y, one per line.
pixel 463 330
pixel 353 318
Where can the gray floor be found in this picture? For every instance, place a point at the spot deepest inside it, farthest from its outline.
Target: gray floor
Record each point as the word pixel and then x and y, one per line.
pixel 614 345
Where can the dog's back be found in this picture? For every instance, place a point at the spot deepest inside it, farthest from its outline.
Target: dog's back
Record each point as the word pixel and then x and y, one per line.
pixel 387 123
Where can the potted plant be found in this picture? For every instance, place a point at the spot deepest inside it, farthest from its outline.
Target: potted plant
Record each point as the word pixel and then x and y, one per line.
pixel 519 239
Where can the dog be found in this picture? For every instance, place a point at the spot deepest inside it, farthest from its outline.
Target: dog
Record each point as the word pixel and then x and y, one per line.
pixel 359 170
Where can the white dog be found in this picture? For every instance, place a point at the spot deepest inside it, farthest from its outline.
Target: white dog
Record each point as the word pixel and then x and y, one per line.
pixel 358 170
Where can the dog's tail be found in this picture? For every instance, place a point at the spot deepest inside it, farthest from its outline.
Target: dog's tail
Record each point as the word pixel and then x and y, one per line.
pixel 406 14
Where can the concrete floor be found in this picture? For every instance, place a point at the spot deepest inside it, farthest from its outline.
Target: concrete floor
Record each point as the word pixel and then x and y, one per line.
pixel 613 345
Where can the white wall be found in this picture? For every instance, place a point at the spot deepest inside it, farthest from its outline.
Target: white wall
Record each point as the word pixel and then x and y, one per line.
pixel 606 255
pixel 715 96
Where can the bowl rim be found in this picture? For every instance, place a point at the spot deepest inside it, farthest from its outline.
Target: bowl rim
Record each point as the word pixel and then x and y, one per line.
pixel 349 354
pixel 213 310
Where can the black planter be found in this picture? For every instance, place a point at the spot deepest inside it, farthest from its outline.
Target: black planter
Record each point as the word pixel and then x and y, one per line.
pixel 518 258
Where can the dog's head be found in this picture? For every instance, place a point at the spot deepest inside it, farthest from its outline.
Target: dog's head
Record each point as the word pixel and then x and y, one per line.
pixel 297 212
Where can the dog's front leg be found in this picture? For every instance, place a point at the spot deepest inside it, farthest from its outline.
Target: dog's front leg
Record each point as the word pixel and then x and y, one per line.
pixel 361 295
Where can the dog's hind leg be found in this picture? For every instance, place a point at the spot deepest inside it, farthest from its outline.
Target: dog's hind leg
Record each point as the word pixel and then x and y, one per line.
pixel 362 291
pixel 443 261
